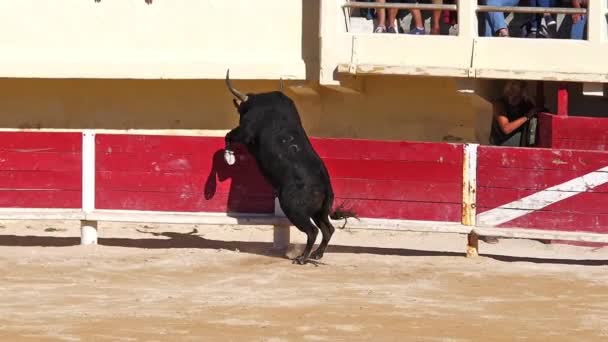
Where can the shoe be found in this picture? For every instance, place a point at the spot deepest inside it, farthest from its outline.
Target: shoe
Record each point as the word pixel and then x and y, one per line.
pixel 391 29
pixel 551 29
pixel 417 31
pixel 380 29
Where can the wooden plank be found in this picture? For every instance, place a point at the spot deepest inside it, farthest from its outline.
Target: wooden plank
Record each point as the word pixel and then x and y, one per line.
pixel 591 144
pixel 449 212
pixel 115 143
pixel 545 234
pixel 361 149
pixel 590 202
pixel 171 162
pixel 40 142
pixel 40 161
pixel 40 198
pixel 524 179
pixel 396 170
pixel 244 182
pixel 325 147
pixel 580 127
pixel 43 180
pixel 545 130
pixel 397 190
pixel 564 221
pixel 185 201
pixel 41 214
pixel 541 159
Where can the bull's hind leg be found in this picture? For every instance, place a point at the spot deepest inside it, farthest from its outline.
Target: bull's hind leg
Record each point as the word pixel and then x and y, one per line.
pixel 303 223
pixel 327 229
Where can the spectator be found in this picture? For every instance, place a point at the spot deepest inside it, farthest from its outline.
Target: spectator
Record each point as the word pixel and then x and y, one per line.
pixel 417 17
pixel 535 30
pixel 381 16
pixel 511 111
pixel 579 21
pixel 495 21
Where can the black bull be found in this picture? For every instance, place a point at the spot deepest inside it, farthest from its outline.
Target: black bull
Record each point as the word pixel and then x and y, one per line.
pixel 270 128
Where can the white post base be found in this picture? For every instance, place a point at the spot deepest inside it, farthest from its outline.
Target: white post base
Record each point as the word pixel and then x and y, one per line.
pixel 88 232
pixel 281 238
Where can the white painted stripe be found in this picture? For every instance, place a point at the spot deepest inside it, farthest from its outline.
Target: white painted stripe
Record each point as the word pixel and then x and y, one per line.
pixel 88 171
pixel 542 199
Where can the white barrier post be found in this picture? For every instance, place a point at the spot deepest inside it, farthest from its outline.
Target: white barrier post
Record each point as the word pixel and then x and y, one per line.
pixel 88 229
pixel 469 195
pixel 281 233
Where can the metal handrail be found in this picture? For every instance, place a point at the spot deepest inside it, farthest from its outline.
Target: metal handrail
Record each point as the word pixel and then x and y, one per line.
pixel 359 4
pixel 480 8
pixel 531 10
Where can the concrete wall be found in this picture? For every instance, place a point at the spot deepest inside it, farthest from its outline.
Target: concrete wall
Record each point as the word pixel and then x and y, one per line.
pixel 412 108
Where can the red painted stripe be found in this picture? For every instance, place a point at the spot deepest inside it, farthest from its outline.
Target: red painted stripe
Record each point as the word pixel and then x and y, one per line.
pixel 40 161
pixel 57 199
pixel 174 162
pixel 404 210
pixel 40 142
pixel 186 201
pixel 47 180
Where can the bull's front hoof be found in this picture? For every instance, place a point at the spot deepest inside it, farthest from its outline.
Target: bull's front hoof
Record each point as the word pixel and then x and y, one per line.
pixel 229 157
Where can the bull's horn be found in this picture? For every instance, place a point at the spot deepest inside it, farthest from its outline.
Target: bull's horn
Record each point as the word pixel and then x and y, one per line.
pixel 234 92
pixel 281 84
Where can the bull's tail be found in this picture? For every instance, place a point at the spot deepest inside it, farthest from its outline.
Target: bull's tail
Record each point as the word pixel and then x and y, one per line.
pixel 341 212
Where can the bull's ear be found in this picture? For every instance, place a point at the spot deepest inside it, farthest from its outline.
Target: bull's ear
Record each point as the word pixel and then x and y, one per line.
pixel 236 103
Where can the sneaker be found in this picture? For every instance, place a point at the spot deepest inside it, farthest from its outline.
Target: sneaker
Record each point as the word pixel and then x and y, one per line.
pixel 417 31
pixel 551 29
pixel 380 29
pixel 391 29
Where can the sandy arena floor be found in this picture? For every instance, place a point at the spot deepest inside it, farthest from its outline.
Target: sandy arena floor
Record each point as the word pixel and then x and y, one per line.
pixel 159 283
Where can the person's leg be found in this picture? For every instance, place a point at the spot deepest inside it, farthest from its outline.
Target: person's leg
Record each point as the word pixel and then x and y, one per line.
pixel 392 16
pixel 435 27
pixel 381 16
pixel 579 27
pixel 535 21
pixel 495 22
pixel 549 18
pixel 416 19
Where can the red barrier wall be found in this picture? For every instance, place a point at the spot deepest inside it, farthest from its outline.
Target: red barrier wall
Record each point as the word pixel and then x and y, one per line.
pixel 40 170
pixel 573 132
pixel 400 180
pixel 505 175
pixel 176 173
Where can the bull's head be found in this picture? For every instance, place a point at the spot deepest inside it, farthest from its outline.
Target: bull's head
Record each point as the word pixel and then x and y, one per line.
pixel 241 98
